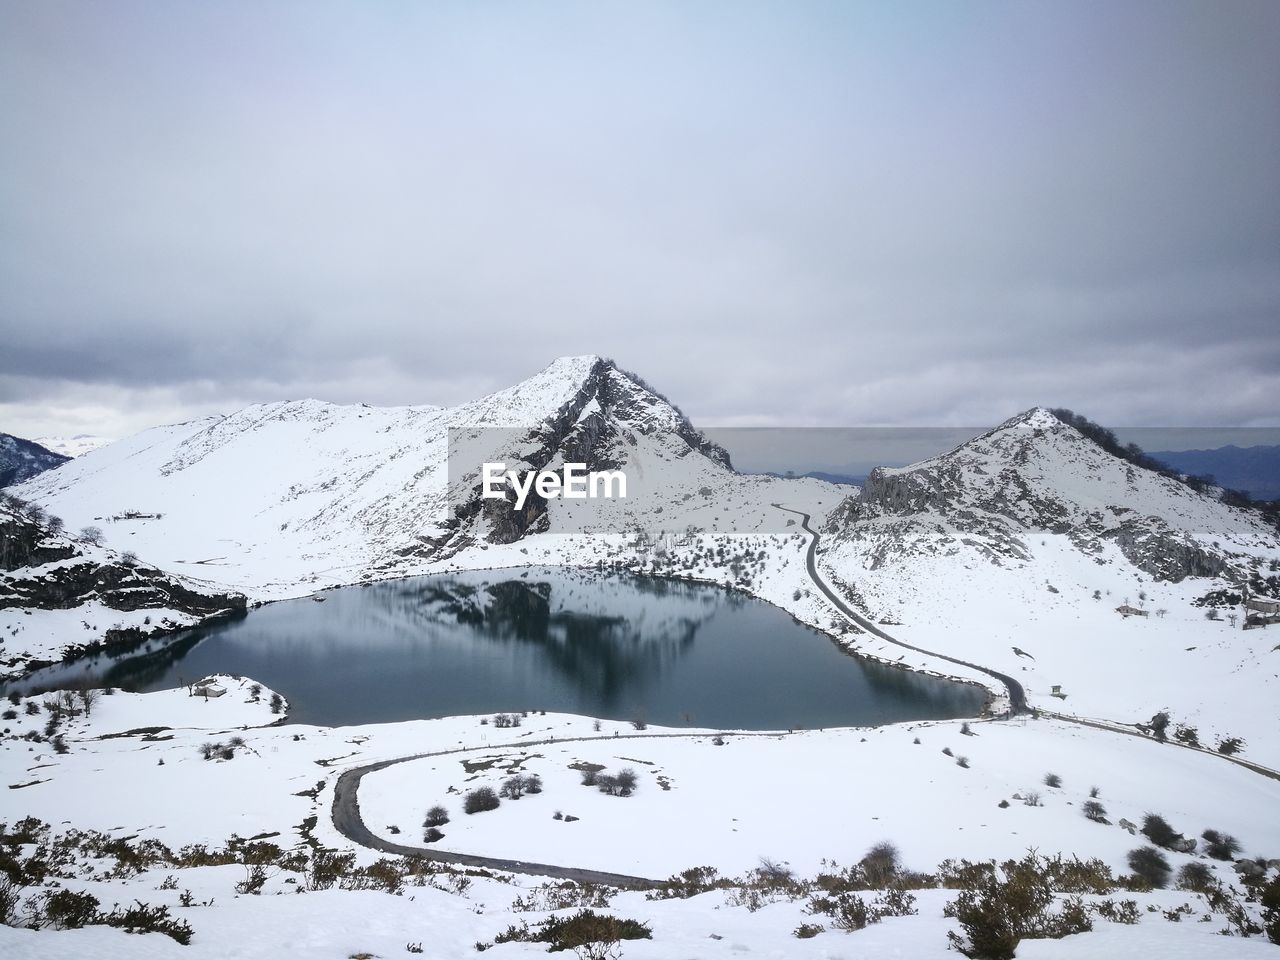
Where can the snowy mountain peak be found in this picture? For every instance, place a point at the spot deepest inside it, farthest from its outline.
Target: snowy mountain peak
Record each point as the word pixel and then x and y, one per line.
pixel 1037 418
pixel 1037 474
pixel 310 490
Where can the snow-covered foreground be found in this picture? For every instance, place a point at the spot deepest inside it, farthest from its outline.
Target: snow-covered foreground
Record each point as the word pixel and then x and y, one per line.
pixel 797 799
pixel 811 796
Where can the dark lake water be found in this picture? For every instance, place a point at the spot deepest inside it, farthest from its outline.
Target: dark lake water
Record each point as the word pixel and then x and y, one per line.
pixel 619 647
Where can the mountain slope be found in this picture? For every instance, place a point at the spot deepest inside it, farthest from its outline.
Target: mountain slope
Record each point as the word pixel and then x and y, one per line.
pixel 62 597
pixel 1015 549
pixel 23 459
pixel 280 498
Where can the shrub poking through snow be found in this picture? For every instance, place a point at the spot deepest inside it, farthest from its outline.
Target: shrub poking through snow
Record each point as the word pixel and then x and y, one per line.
pixel 432 835
pixel 517 786
pixel 881 865
pixel 998 912
pixel 848 911
pixel 1156 829
pixel 144 918
pixel 480 800
pixel 1150 866
pixel 1220 846
pixel 593 936
pixel 1052 780
pixel 1094 811
pixel 1196 876
pixel 1126 911
pixel 68 910
pixel 221 751
pixel 621 784
pixel 1270 899
pixel 437 816
pixel 563 896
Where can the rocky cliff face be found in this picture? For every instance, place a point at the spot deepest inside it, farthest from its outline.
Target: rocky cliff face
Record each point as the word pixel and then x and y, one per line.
pixel 1035 474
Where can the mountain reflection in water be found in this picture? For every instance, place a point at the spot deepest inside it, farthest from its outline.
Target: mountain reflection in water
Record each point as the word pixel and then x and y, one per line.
pixel 619 647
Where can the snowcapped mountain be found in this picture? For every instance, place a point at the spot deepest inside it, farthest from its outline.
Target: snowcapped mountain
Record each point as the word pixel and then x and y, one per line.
pixel 1018 549
pixel 76 446
pixel 280 498
pixel 1035 474
pixel 23 459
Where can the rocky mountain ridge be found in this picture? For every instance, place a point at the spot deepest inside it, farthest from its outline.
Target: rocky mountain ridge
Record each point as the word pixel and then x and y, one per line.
pixel 1035 474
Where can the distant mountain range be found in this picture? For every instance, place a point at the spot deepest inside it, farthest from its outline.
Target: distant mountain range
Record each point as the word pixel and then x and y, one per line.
pixel 75 446
pixel 23 459
pixel 1255 470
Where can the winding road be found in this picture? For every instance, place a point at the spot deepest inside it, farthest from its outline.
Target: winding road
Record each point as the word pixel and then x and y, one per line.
pixel 348 821
pixel 1017 696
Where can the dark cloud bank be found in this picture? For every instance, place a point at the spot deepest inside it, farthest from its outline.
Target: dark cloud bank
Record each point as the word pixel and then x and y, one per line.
pixel 781 214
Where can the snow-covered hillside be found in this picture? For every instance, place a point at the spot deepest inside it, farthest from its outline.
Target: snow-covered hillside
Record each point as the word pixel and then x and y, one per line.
pixel 279 499
pixel 1030 537
pixel 63 596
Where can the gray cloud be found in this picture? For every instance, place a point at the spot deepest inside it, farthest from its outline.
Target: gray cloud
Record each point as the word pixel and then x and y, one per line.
pixel 800 214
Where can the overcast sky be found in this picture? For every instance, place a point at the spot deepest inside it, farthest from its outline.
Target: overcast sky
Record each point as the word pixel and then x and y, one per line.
pixel 780 214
